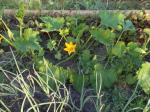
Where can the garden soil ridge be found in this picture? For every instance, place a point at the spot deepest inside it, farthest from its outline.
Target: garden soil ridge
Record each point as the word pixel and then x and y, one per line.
pixel 12 12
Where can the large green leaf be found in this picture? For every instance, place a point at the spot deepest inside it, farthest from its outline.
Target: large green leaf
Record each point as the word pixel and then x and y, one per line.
pixel 103 36
pixel 86 62
pixel 134 49
pixel 52 24
pixel 110 19
pixel 78 81
pixel 134 54
pixel 79 30
pixel 144 77
pixel 103 77
pixel 128 25
pixel 29 41
pixel 119 49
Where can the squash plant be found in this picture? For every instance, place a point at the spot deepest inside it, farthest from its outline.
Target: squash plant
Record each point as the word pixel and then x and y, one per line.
pixel 122 57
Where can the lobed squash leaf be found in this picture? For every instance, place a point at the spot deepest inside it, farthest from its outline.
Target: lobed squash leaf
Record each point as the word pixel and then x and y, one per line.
pixel 144 77
pixel 103 36
pixel 119 49
pixel 29 41
pixel 52 24
pixel 110 19
pixel 103 78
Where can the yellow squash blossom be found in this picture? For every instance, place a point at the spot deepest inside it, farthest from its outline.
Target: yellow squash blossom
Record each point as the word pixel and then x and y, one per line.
pixel 70 47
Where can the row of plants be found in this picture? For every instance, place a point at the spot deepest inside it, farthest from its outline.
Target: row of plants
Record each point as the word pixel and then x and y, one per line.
pixel 98 53
pixel 77 4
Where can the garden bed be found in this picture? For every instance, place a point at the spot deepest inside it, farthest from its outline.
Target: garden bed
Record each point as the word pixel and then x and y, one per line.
pixel 72 63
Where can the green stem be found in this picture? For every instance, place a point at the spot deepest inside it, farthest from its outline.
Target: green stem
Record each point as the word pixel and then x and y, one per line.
pixel 107 62
pixel 120 36
pixel 61 40
pixel 67 59
pixel 131 98
pixel 87 42
pixel 20 30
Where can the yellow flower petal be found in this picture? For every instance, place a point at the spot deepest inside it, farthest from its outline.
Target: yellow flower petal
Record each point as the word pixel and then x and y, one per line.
pixel 70 47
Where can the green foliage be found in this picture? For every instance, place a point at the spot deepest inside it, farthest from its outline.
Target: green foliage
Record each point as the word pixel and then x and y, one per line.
pixel 122 58
pixel 2 77
pixel 78 81
pixel 147 40
pixel 64 32
pixel 130 79
pixel 85 61
pixel 128 25
pixel 52 24
pixel 29 42
pixel 128 58
pixel 102 77
pixel 58 55
pixel 116 21
pixel 134 49
pixel 143 76
pixel 1 12
pixel 20 13
pixel 103 36
pixel 79 30
pixel 51 44
pixel 52 74
pixel 136 53
pixel 35 4
pixel 119 49
pixel 112 20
